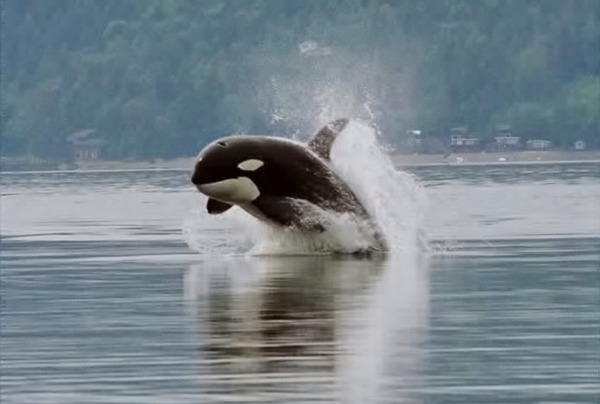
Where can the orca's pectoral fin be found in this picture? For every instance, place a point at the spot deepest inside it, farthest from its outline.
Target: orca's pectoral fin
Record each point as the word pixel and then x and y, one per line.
pixel 215 207
pixel 322 141
pixel 289 213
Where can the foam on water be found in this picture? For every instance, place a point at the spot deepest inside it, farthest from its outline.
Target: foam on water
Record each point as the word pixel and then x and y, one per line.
pixel 393 198
pixel 344 234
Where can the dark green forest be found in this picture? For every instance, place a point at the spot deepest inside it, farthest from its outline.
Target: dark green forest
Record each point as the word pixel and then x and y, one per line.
pixel 160 78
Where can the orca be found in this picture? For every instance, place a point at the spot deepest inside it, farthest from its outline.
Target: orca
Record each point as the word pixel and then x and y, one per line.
pixel 279 181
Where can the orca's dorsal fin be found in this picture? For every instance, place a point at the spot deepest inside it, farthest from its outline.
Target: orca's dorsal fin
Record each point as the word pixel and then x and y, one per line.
pixel 322 141
pixel 215 207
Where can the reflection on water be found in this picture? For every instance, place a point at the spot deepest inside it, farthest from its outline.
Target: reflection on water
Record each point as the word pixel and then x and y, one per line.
pixel 101 301
pixel 308 329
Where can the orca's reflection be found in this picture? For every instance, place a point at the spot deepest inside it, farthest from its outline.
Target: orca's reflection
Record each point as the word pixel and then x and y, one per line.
pixel 294 329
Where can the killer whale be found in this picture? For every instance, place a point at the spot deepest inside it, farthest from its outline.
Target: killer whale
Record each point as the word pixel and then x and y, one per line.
pixel 279 181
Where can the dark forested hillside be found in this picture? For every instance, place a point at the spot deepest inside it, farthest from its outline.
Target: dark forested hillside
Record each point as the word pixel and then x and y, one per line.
pixel 162 77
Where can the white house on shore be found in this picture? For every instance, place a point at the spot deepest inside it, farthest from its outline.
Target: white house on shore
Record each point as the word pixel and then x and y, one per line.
pixel 538 144
pixel 460 140
pixel 84 145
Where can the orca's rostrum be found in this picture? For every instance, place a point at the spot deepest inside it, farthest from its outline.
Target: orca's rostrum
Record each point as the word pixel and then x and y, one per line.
pixel 279 181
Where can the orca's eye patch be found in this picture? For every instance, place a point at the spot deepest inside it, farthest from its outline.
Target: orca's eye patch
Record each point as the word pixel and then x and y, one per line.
pixel 250 165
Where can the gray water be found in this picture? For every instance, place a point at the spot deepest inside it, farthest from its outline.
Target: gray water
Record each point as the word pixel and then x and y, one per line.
pixel 102 300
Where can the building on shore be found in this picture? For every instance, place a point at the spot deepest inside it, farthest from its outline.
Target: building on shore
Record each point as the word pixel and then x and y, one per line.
pixel 461 141
pixel 505 140
pixel 84 145
pixel 538 144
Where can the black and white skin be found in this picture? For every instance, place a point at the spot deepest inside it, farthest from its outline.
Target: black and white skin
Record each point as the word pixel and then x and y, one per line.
pixel 279 181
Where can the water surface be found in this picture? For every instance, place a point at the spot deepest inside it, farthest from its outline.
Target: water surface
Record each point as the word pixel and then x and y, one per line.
pixel 103 301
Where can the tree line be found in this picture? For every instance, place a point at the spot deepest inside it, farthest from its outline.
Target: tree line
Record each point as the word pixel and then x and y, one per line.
pixel 160 78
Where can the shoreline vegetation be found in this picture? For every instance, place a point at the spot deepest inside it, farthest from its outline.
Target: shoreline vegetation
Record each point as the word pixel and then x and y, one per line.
pixel 20 164
pixel 151 78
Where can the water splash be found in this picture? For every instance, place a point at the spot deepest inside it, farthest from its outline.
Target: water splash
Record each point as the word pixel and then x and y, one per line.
pixel 393 198
pixel 344 234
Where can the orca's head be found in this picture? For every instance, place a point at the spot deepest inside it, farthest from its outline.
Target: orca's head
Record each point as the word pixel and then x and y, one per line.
pixel 226 169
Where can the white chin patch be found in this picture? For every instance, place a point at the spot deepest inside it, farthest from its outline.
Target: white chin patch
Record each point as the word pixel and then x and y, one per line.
pixel 250 165
pixel 233 190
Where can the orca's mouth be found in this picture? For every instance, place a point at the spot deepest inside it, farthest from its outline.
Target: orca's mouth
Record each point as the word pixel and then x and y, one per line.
pixel 232 190
pixel 202 177
pixel 215 189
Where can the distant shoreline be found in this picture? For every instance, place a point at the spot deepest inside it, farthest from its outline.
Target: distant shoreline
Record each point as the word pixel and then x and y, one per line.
pixel 499 158
pixel 401 160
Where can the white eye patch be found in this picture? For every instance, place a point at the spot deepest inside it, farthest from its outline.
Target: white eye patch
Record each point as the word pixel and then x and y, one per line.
pixel 250 165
